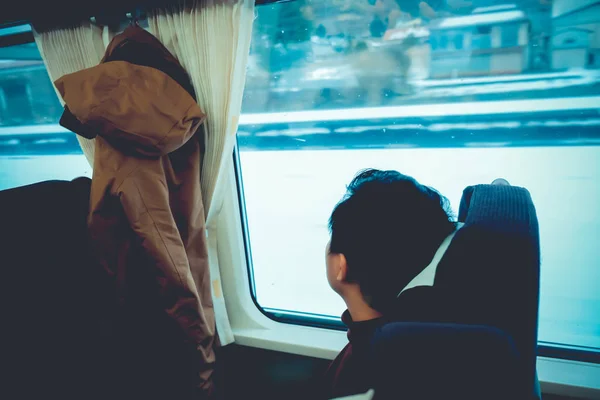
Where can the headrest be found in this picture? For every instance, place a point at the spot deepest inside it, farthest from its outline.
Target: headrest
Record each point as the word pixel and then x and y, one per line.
pixel 500 208
pixel 491 270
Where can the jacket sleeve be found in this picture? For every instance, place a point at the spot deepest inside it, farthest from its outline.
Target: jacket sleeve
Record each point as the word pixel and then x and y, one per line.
pixel 144 197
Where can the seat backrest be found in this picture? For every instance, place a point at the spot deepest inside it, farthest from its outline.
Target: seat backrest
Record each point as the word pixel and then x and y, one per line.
pixel 54 291
pixel 445 361
pixel 66 336
pixel 45 243
pixel 491 271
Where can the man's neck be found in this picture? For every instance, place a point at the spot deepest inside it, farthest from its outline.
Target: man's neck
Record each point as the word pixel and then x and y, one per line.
pixel 360 311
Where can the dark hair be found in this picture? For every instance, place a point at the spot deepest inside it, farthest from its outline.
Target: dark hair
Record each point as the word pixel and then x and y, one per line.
pixel 389 227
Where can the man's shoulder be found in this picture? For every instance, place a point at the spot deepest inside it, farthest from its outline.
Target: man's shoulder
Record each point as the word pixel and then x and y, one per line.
pixel 338 366
pixel 347 374
pixel 362 396
pixel 419 304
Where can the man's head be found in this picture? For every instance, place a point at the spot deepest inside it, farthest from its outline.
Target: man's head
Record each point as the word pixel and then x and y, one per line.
pixel 384 232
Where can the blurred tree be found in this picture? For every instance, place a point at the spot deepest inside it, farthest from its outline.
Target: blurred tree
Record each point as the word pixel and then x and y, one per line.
pixel 321 31
pixel 377 28
pixel 427 11
pixel 293 31
pixel 281 38
pixel 292 24
pixel 263 34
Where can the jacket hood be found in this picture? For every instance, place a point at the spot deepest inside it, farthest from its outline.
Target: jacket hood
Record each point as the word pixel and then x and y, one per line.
pixel 137 108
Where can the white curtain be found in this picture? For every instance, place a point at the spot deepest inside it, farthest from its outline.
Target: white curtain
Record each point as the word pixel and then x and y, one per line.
pixel 211 39
pixel 67 50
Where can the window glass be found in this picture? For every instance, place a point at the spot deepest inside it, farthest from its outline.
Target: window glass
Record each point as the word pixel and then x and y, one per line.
pixel 315 113
pixel 444 41
pixel 17 109
pixel 433 42
pixel 458 41
pixel 33 147
pixel 510 35
pixel 483 29
pixel 482 41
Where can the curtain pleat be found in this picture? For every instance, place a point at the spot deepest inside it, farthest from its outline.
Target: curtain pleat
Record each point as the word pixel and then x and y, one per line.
pixel 67 50
pixel 211 39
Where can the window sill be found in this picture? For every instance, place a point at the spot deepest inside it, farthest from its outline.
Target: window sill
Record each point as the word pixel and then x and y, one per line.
pixel 306 341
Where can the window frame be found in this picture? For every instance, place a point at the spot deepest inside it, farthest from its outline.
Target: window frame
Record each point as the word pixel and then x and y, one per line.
pixel 545 349
pixel 15 34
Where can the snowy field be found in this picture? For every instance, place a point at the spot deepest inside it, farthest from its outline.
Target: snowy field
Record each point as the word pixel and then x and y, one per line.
pixel 289 195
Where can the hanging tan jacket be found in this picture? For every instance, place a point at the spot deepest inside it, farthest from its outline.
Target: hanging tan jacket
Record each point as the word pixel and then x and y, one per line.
pixel 146 213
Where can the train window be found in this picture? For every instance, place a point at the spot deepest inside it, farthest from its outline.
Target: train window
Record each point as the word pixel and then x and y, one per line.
pixel 16 104
pixel 458 41
pixel 314 115
pixel 33 147
pixel 510 35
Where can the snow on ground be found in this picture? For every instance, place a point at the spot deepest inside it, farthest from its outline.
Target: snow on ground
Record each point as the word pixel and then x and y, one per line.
pixel 500 86
pixel 587 74
pixel 25 170
pixel 345 76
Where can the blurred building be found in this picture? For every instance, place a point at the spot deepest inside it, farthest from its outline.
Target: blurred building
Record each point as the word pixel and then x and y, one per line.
pixel 576 34
pixel 491 41
pixel 26 94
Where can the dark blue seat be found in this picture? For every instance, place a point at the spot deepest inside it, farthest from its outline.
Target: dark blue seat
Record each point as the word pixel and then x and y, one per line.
pixel 59 320
pixel 487 290
pixel 54 295
pixel 446 361
pixel 492 267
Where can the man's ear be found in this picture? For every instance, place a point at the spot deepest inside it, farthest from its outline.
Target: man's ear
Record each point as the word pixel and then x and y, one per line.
pixel 342 271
